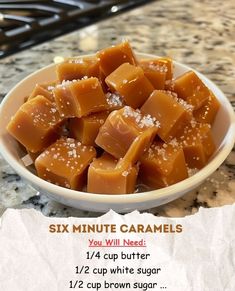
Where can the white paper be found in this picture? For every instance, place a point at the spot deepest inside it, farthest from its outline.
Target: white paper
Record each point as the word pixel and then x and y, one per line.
pixel 200 258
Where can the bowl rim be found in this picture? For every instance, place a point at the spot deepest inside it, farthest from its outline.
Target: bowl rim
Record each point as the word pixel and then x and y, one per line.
pixel 183 186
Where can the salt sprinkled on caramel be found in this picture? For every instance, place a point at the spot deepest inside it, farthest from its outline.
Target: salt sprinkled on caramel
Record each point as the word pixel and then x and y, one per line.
pixel 76 61
pixel 193 122
pixel 180 101
pixel 65 83
pixel 114 99
pixel 141 120
pixel 187 106
pixel 174 142
pixel 159 68
pixel 160 151
pixel 53 110
pixel 125 173
pixel 50 88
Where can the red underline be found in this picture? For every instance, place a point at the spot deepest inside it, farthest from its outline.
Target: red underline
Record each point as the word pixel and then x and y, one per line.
pixel 117 246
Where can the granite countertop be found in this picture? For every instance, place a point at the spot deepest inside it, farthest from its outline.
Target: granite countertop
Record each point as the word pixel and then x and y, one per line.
pixel 197 33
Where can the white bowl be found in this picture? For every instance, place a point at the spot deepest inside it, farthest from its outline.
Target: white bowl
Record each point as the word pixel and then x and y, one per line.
pixel 223 132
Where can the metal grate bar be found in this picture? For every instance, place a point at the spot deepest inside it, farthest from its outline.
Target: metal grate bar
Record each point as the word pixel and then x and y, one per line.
pixel 25 23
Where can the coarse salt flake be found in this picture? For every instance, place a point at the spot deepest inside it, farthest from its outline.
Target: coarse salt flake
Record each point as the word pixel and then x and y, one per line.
pixel 27 160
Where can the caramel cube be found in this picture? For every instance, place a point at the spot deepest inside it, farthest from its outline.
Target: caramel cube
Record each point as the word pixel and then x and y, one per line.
pixel 77 68
pixel 171 112
pixel 80 98
pixel 167 65
pixel 35 124
pixel 155 74
pixel 105 177
pixel 122 127
pixel 157 79
pixel 163 165
pixel 161 65
pixel 108 175
pixel 207 113
pixel 65 162
pixel 112 57
pixel 130 82
pixel 85 129
pixel 190 88
pixel 45 90
pixel 198 145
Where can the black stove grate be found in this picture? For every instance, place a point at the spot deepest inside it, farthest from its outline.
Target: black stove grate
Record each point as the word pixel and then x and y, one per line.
pixel 26 23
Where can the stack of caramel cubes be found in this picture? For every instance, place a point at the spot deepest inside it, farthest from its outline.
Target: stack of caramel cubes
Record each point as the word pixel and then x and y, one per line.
pixel 112 121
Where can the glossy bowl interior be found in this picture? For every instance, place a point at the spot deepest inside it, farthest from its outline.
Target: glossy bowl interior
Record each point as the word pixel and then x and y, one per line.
pixel 223 132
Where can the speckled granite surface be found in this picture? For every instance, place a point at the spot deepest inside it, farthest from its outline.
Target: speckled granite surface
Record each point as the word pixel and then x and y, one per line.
pixel 197 33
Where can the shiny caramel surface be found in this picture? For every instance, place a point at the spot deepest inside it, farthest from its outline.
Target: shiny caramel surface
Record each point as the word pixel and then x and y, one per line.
pixel 163 165
pixel 65 162
pixel 190 88
pixel 106 177
pixel 171 112
pixel 77 68
pixel 131 83
pixel 45 90
pixel 111 121
pixel 39 117
pixel 85 129
pixel 79 98
pixel 197 143
pixel 112 57
pixel 207 112
pixel 121 128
